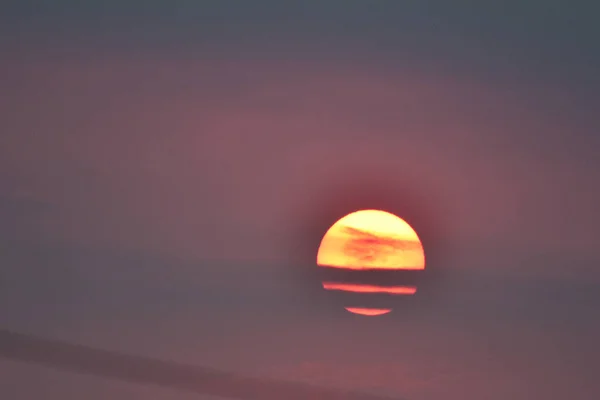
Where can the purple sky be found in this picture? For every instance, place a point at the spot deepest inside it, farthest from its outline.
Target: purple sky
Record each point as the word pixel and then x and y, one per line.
pixel 173 154
pixel 170 157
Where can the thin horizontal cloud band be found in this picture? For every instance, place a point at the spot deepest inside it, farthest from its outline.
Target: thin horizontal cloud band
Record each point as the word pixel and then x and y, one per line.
pixel 371 276
pixel 373 268
pixel 360 288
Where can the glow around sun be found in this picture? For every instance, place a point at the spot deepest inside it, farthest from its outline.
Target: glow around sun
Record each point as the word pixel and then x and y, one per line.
pixel 371 239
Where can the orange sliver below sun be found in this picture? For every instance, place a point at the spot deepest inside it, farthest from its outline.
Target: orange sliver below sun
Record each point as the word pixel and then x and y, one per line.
pixel 368 240
pixel 371 312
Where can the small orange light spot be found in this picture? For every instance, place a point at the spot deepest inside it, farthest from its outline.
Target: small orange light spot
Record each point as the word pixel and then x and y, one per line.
pixel 368 311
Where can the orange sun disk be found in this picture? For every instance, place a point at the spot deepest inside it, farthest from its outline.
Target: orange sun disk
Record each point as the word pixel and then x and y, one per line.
pixel 371 240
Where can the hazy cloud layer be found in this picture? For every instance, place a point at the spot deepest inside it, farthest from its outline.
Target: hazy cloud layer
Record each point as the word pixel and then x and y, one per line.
pixel 196 157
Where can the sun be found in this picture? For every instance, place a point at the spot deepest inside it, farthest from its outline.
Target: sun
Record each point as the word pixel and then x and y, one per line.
pixel 371 240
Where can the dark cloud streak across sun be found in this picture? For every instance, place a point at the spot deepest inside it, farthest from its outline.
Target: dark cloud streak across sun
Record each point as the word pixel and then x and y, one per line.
pixel 364 246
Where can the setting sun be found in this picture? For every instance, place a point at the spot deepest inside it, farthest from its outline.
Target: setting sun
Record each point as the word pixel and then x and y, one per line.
pixel 371 240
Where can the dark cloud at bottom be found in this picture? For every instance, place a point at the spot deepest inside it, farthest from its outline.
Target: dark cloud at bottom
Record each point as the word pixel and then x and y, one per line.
pixel 113 365
pixel 470 331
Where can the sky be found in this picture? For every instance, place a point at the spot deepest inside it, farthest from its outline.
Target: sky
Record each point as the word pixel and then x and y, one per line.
pixel 167 167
